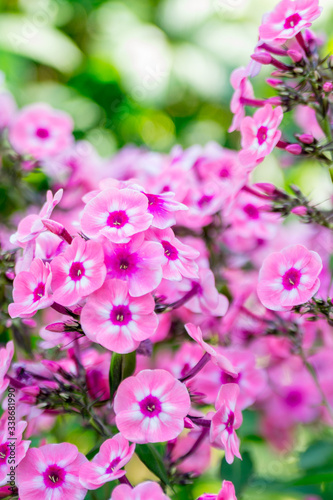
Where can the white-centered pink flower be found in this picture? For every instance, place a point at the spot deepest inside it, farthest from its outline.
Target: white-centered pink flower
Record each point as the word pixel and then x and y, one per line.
pixel 218 359
pixel 287 19
pixel 151 406
pixel 6 356
pixel 179 259
pixel 144 491
pixel 8 436
pixel 108 464
pixel 117 321
pixel 32 225
pixel 225 421
pixel 40 131
pixel 51 472
pixel 32 290
pixel 116 214
pixel 138 262
pixel 206 299
pixel 162 207
pixel 78 272
pixel 289 278
pixel 260 134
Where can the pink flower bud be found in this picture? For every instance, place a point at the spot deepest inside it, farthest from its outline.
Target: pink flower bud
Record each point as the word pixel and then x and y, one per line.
pixel 266 187
pixel 51 365
pixel 295 55
pixel 188 424
pixel 294 149
pixel 301 210
pixel 56 327
pixel 262 57
pixel 274 82
pixel 328 87
pixel 306 138
pixel 275 101
pixel 58 229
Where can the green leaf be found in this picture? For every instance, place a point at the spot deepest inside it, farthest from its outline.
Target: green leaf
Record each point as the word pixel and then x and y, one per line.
pixel 239 472
pixel 148 455
pixel 314 479
pixel 115 374
pixel 317 455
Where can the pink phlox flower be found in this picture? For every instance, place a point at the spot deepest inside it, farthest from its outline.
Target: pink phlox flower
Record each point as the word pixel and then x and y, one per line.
pixel 162 207
pixel 144 491
pixel 40 131
pixel 32 290
pixel 151 406
pixel 114 319
pixel 78 272
pixel 289 278
pixel 6 356
pixel 197 462
pixel 7 436
pixel 116 214
pixel 242 88
pixel 226 493
pixel 51 471
pixel 138 262
pixel 108 464
pixel 218 359
pixel 31 226
pixel 260 134
pixel 225 421
pixel 287 19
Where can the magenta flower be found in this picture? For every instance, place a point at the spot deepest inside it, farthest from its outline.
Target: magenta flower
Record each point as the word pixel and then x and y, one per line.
pixel 144 491
pixel 6 446
pixel 287 19
pixel 51 472
pixel 260 134
pixel 178 261
pixel 151 407
pixel 289 278
pixel 138 262
pixel 31 290
pixel 116 214
pixel 40 131
pixel 32 225
pixel 225 421
pixel 107 464
pixel 243 90
pixel 227 493
pixel 116 320
pixel 162 207
pixel 6 356
pixel 218 359
pixel 78 272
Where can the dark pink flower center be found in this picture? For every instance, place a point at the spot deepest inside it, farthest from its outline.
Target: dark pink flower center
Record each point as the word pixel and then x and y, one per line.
pixel 292 21
pixel 117 219
pixel 291 279
pixel 39 291
pixel 229 424
pixel 121 315
pixel 228 379
pixel 294 398
pixel 4 452
pixel 224 173
pixel 54 476
pixel 204 200
pixel 262 135
pixel 153 200
pixel 113 465
pixel 42 133
pixel 170 251
pixel 150 406
pixel 251 211
pixel 76 271
pixel 121 263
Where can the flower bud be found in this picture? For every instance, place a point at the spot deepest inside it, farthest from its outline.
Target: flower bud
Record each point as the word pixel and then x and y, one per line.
pixel 262 57
pixel 306 138
pixel 56 327
pixel 294 149
pixel 274 82
pixel 295 55
pixel 328 87
pixel 301 210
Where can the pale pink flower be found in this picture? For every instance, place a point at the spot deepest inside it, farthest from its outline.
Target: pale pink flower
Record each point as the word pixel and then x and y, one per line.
pixel 151 407
pixel 243 89
pixel 7 436
pixel 40 131
pixel 206 299
pixel 6 356
pixel 51 472
pixel 260 134
pixel 287 19
pixel 78 272
pixel 8 108
pixel 108 464
pixel 32 225
pixel 117 321
pixel 162 207
pixel 116 214
pixel 227 493
pixel 289 278
pixel 32 290
pixel 197 462
pixel 225 421
pixel 178 261
pixel 144 491
pixel 138 262
pixel 218 359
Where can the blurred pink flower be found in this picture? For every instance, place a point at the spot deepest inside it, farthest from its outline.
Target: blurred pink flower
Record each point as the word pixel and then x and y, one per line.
pixel 6 356
pixel 144 491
